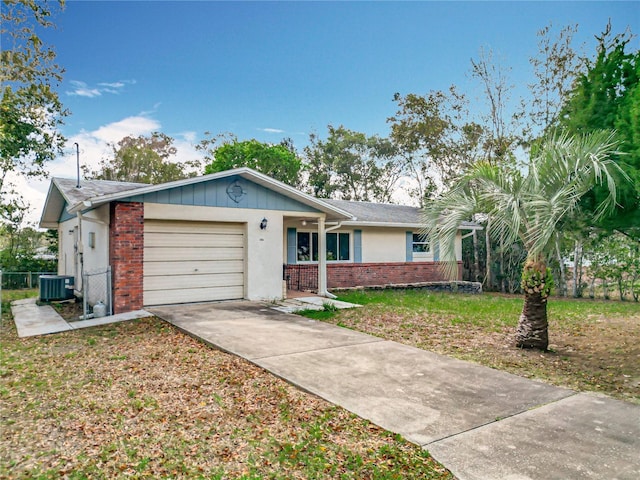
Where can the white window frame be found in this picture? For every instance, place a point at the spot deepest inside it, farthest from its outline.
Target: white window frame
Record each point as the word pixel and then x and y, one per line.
pixel 337 234
pixel 311 246
pixel 298 253
pixel 421 254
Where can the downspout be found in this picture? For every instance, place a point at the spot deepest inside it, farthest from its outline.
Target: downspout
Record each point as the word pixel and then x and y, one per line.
pixel 322 258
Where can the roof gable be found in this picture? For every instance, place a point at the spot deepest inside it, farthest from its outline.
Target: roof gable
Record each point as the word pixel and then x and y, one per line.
pixel 64 194
pixel 238 188
pixel 228 192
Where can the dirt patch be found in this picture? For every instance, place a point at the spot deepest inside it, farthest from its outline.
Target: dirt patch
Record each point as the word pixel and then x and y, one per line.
pixel 70 311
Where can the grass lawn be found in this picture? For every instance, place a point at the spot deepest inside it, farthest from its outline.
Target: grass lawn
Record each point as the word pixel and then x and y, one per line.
pixel 594 345
pixel 141 400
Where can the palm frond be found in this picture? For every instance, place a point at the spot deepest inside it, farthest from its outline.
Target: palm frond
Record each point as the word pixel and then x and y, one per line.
pixel 528 206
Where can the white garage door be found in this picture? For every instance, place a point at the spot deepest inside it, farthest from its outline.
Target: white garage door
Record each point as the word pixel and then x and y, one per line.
pixel 192 261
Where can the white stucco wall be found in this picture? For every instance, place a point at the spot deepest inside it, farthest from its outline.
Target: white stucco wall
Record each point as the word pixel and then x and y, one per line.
pixel 384 245
pixel 97 257
pixel 263 275
pixel 66 252
pixel 97 222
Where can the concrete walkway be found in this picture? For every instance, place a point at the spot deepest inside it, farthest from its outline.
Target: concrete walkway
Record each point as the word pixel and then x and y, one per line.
pixel 311 302
pixel 479 422
pixel 32 319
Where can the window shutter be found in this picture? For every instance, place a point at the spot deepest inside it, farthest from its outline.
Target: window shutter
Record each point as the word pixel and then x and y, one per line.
pixel 357 246
pixel 409 246
pixel 292 247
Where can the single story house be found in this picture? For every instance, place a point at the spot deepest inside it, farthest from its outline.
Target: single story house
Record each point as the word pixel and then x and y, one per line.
pixel 237 234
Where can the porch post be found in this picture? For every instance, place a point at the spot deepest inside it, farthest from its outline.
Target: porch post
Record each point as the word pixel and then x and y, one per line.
pixel 322 257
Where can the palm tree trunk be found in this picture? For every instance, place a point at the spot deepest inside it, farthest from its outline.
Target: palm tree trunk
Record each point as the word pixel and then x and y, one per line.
pixel 532 331
pixel 533 327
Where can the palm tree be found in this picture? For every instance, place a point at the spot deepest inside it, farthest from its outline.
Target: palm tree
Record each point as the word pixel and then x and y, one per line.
pixel 529 205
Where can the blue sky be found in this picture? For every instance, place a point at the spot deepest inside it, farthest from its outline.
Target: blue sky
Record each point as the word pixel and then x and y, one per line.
pixel 270 70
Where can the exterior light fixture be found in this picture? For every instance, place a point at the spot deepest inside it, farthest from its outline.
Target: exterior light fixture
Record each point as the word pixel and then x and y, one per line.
pixel 304 223
pixel 263 224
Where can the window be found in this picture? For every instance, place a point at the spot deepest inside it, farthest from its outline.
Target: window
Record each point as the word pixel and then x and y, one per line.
pixel 421 243
pixel 338 246
pixel 307 247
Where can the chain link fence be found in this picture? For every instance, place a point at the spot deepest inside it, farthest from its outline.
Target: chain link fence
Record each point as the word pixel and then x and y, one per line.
pixel 97 290
pixel 20 280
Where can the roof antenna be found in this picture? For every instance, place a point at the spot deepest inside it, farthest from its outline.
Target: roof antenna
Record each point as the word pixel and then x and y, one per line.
pixel 78 162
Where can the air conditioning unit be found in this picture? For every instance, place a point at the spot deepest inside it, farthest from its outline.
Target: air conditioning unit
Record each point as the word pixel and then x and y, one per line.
pixel 56 287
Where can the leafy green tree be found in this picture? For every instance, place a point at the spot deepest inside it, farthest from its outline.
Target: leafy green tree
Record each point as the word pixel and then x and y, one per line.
pixel 21 250
pixel 606 96
pixel 278 161
pixel 615 257
pixel 30 110
pixel 144 159
pixel 528 207
pixel 350 165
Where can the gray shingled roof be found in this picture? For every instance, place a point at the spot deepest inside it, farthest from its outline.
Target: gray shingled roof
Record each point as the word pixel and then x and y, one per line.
pixel 364 212
pixel 378 212
pixel 91 188
pixel 368 212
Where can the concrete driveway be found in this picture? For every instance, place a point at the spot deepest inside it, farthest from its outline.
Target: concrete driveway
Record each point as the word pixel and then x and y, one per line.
pixel 479 422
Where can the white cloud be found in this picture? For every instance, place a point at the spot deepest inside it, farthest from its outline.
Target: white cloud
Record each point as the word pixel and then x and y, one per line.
pixel 112 85
pixel 154 109
pixel 93 148
pixel 81 89
pixel 188 136
pixel 271 130
pixel 130 126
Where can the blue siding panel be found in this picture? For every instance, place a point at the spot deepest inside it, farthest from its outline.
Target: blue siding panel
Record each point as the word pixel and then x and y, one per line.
pixel 162 196
pixel 221 197
pixel 64 216
pixel 214 194
pixel 357 246
pixel 187 195
pixel 175 196
pixel 199 194
pixel 409 246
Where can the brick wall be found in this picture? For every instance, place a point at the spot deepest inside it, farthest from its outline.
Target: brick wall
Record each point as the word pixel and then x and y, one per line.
pixel 366 274
pixel 301 277
pixel 346 275
pixel 126 245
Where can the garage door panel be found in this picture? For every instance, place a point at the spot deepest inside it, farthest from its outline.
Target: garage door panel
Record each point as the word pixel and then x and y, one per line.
pixel 160 226
pixel 167 282
pixel 193 240
pixel 163 297
pixel 193 262
pixel 193 267
pixel 169 254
